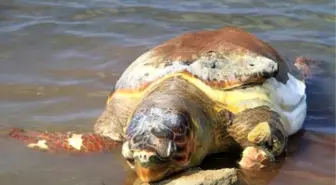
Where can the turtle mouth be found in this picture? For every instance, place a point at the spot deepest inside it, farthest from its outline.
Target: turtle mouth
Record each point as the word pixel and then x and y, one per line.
pixel 152 170
pixel 149 166
pixel 150 173
pixel 146 159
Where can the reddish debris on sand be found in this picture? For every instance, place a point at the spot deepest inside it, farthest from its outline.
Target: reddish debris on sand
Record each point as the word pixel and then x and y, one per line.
pixel 64 142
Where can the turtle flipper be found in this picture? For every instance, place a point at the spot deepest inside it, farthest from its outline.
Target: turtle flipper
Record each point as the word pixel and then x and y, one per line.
pixel 64 142
pixel 307 66
pixel 260 133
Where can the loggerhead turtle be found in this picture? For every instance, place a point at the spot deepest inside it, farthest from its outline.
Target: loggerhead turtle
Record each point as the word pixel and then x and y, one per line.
pixel 200 93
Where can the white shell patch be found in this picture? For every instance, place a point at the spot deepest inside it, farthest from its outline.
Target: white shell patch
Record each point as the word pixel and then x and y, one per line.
pixel 76 141
pixel 40 144
pixel 289 100
pixel 209 68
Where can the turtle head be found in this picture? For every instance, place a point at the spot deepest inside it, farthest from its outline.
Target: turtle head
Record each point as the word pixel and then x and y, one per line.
pixel 160 141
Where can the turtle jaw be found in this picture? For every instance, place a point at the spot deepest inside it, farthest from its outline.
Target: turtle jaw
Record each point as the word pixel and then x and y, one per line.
pixel 152 169
pixel 148 175
pixel 148 165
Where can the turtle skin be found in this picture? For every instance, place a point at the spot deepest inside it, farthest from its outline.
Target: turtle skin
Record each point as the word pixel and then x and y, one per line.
pixel 197 94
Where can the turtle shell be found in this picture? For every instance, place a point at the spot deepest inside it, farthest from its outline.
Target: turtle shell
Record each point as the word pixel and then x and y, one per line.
pixel 217 62
pixel 225 58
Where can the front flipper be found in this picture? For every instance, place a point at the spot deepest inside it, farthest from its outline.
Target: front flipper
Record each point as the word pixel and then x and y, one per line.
pixel 307 66
pixel 64 142
pixel 260 133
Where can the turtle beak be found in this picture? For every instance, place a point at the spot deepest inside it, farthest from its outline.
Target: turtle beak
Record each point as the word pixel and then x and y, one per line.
pixel 151 164
pixel 149 174
pixel 151 168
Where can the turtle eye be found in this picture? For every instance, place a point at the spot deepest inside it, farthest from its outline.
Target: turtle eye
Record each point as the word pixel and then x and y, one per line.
pixel 181 128
pixel 180 123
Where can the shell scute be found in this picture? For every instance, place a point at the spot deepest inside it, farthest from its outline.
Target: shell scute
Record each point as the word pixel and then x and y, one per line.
pixel 229 56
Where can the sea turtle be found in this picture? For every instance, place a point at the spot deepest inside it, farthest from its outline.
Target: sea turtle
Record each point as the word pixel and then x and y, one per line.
pixel 200 93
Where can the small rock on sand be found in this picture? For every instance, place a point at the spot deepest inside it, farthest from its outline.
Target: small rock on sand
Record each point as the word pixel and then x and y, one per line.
pixel 196 176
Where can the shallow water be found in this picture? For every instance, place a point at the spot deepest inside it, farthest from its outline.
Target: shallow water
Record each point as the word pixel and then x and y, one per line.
pixel 60 58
